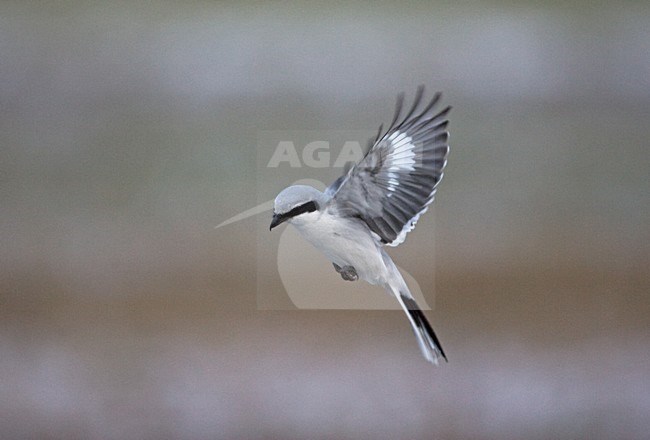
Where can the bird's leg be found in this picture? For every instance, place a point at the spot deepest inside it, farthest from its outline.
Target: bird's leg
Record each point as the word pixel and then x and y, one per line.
pixel 348 273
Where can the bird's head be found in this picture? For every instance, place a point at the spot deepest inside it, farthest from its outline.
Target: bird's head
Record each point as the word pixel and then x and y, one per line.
pixel 293 202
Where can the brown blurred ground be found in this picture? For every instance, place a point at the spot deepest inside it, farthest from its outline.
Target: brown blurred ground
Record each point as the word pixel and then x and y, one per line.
pixel 192 361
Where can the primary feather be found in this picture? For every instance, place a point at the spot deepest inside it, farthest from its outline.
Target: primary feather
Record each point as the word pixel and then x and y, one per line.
pixel 395 182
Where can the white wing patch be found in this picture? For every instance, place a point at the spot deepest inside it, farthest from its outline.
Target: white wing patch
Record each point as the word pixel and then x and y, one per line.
pixel 402 159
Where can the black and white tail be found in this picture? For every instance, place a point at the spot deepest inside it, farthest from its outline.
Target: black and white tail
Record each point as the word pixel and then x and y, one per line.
pixel 426 337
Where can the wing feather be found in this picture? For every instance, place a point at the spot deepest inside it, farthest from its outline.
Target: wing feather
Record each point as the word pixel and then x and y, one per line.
pixel 395 182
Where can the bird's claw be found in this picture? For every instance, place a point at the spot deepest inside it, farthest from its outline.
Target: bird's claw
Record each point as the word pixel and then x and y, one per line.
pixel 348 273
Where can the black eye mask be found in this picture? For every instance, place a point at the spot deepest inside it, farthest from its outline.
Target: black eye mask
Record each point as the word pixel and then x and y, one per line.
pixel 301 209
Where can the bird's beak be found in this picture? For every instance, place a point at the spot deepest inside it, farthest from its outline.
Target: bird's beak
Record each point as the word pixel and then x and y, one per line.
pixel 277 219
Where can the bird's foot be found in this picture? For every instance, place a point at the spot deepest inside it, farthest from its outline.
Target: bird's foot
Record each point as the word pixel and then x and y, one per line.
pixel 348 273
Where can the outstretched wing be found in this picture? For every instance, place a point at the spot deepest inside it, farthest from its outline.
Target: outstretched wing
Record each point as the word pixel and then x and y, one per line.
pixel 393 185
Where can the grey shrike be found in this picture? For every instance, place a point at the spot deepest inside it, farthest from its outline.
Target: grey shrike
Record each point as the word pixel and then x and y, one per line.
pixel 376 203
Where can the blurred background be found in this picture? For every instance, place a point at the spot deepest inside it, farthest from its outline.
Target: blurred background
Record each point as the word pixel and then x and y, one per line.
pixel 128 130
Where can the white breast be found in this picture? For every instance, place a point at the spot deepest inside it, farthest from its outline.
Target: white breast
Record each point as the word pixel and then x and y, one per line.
pixel 345 242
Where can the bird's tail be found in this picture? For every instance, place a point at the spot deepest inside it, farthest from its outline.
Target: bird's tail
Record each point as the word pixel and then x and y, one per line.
pixel 426 337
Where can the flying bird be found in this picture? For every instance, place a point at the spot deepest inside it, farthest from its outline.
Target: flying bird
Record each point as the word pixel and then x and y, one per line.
pixel 376 203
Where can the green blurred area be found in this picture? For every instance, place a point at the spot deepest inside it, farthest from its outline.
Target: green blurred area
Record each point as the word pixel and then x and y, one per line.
pixel 129 130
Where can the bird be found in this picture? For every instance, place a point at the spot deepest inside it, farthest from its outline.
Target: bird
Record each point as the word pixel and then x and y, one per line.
pixel 376 203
